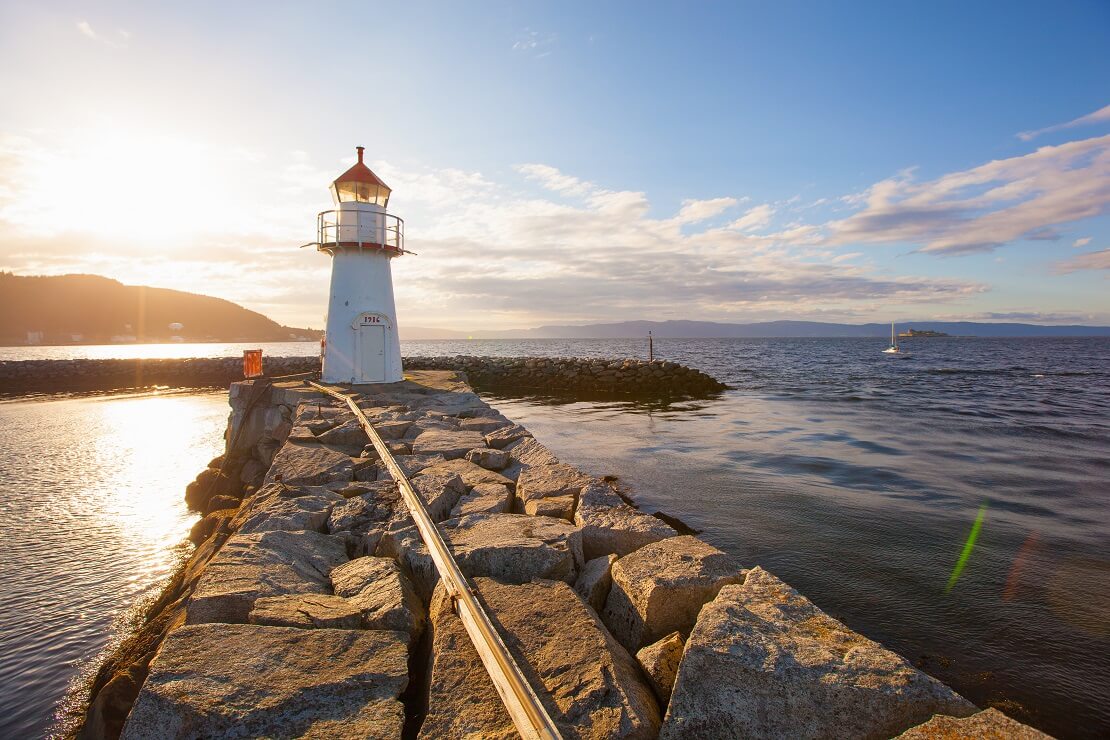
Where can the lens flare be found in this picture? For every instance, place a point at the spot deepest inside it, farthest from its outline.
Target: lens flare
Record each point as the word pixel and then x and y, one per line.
pixel 1013 581
pixel 968 547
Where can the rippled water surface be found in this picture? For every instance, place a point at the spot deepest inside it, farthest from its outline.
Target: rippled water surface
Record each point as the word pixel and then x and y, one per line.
pixel 91 520
pixel 855 476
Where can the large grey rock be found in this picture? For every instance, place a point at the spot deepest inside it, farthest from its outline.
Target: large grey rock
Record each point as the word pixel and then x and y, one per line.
pixel 382 594
pixel 433 423
pixel 484 424
pixel 505 436
pixel 489 458
pixel 589 684
pixel 270 491
pixel 291 514
pixel 990 724
pixel 300 464
pixel 301 434
pixel 364 517
pixel 253 566
pixel 537 482
pixel 764 662
pixel 451 444
pixel 661 587
pixel 484 498
pixel 321 415
pixel 528 451
pixel 471 474
pixel 248 681
pixel 440 492
pixel 347 434
pixel 306 611
pixel 510 547
pixel 392 429
pixel 560 507
pixel 413 464
pixel 609 525
pixel 660 662
pixel 398 447
pixel 452 404
pixel 595 580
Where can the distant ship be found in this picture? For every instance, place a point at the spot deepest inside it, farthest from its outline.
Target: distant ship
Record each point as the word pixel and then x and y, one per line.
pixel 913 333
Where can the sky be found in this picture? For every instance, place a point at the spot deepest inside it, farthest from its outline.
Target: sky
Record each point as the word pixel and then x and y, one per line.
pixel 574 162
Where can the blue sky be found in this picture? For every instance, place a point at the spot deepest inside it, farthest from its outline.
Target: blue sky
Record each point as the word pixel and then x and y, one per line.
pixel 568 162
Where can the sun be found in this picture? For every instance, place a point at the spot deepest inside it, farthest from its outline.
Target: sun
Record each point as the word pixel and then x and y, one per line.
pixel 111 183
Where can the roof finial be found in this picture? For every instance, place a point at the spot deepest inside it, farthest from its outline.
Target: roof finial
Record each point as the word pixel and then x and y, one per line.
pixel 360 150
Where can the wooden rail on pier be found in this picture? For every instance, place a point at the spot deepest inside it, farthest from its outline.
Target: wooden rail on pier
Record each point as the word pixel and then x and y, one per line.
pixel 527 712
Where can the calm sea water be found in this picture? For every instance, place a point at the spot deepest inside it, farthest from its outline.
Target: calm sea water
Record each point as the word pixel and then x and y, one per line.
pixel 854 476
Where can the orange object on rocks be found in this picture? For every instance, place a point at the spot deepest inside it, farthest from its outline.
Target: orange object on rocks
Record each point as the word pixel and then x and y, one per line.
pixel 252 363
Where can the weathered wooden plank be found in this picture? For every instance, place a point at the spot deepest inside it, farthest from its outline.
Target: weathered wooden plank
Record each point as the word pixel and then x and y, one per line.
pixel 521 701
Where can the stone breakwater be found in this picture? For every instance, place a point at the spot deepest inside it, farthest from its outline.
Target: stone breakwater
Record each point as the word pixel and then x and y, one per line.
pixel 311 607
pixel 88 374
pixel 592 375
pixel 575 373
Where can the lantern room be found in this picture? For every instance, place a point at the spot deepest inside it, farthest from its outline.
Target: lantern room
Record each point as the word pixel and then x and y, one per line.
pixel 360 185
pixel 359 220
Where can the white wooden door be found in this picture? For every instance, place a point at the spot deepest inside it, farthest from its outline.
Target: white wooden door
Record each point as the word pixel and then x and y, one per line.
pixel 371 354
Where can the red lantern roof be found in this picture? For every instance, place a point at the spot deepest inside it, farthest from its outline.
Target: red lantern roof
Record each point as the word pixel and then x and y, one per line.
pixel 360 173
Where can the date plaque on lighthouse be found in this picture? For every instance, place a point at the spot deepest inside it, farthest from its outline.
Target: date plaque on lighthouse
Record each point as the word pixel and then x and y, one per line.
pixel 361 342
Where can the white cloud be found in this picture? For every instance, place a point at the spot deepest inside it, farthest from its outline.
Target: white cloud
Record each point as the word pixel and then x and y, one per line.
pixel 117 40
pixel 982 208
pixel 490 253
pixel 552 179
pixel 1102 115
pixel 695 211
pixel 1081 242
pixel 755 219
pixel 1091 261
pixel 535 43
pixel 1023 315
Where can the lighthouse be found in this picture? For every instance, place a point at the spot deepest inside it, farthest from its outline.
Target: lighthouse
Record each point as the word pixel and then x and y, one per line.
pixel 361 344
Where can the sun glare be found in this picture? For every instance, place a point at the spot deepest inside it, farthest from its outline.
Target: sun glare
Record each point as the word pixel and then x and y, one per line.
pixel 153 437
pixel 134 185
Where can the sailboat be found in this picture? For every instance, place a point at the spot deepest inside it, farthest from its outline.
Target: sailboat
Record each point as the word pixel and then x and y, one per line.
pixel 893 348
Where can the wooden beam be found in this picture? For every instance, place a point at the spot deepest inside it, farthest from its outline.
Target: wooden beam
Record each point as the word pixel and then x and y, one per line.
pixel 520 699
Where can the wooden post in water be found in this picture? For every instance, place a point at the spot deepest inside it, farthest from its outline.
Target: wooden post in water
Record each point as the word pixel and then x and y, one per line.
pixel 651 349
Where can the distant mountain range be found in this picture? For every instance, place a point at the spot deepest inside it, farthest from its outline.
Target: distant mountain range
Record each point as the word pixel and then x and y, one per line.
pixel 89 309
pixel 766 329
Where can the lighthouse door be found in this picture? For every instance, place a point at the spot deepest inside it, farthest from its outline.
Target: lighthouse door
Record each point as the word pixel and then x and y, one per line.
pixel 371 354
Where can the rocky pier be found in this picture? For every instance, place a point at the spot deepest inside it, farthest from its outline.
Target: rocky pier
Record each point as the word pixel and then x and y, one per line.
pixel 311 607
pixel 536 374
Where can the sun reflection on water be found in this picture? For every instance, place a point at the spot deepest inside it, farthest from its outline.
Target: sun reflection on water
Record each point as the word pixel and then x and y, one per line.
pixel 147 440
pixel 92 519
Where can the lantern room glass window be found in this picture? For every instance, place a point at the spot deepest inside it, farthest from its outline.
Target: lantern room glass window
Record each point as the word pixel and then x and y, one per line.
pixel 360 192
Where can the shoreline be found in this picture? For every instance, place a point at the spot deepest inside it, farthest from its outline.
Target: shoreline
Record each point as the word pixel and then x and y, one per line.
pixel 544 490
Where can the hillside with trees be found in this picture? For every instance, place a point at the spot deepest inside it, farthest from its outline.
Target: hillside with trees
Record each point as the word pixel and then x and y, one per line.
pixel 89 309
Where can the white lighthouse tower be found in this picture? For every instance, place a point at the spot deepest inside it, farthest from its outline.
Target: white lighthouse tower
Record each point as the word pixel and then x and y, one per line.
pixel 361 344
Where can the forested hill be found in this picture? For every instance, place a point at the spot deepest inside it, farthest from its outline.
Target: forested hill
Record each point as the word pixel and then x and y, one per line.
pixel 90 309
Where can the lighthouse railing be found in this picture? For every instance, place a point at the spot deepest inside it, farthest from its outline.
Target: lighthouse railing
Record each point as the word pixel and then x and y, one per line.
pixel 360 229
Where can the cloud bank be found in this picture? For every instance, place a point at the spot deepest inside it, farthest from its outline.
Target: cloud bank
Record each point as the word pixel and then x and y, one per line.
pixel 1102 115
pixel 1091 261
pixel 540 245
pixel 980 209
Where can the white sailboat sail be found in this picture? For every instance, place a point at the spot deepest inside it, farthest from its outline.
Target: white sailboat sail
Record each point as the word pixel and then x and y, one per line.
pixel 893 348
